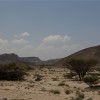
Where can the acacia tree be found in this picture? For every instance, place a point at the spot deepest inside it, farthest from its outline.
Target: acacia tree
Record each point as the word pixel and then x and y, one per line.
pixel 81 67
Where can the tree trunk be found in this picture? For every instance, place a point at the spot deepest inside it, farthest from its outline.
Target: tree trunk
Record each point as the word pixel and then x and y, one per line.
pixel 80 77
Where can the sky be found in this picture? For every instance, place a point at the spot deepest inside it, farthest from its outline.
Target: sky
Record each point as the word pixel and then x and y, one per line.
pixel 48 29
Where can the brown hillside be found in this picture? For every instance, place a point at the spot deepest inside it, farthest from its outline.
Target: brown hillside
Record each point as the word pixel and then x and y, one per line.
pixel 88 53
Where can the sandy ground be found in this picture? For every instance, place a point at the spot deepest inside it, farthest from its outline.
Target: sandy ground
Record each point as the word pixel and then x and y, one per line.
pixel 40 90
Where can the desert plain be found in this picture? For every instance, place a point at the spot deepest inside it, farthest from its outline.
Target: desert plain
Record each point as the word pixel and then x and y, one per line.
pixel 52 86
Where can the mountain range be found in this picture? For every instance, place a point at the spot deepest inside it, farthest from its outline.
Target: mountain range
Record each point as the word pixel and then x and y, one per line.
pixel 88 53
pixel 4 58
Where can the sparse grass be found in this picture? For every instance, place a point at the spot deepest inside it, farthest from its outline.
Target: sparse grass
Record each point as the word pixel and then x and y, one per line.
pixel 31 85
pixel 54 91
pixel 43 89
pixel 17 99
pixel 67 87
pixel 38 77
pixel 31 82
pixel 79 95
pixel 83 90
pixel 67 91
pixel 69 75
pixel 6 89
pixel 90 99
pixel 55 79
pixel 99 92
pixel 77 98
pixel 61 84
pixel 93 74
pixel 1 84
pixel 65 98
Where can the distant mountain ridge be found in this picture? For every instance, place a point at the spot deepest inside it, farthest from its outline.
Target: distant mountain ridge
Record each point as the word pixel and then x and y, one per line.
pixel 29 60
pixel 88 53
pixel 8 57
pixel 51 61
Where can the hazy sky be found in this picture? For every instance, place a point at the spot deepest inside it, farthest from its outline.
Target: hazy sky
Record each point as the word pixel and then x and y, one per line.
pixel 48 29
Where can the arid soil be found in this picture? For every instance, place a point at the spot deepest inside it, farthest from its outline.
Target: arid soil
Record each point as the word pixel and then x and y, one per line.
pixel 52 86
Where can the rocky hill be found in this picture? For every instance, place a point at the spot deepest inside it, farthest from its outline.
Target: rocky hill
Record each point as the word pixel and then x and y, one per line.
pixel 88 53
pixel 5 58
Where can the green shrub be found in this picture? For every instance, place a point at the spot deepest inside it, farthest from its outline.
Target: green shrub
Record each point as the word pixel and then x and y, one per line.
pixel 91 80
pixel 11 71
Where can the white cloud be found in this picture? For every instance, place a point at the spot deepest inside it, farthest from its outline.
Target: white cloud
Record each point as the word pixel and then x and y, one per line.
pixel 53 46
pixel 4 46
pixel 23 35
pixel 56 39
pixel 3 42
pixel 19 41
pixel 52 51
pixel 86 41
pixel 56 46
